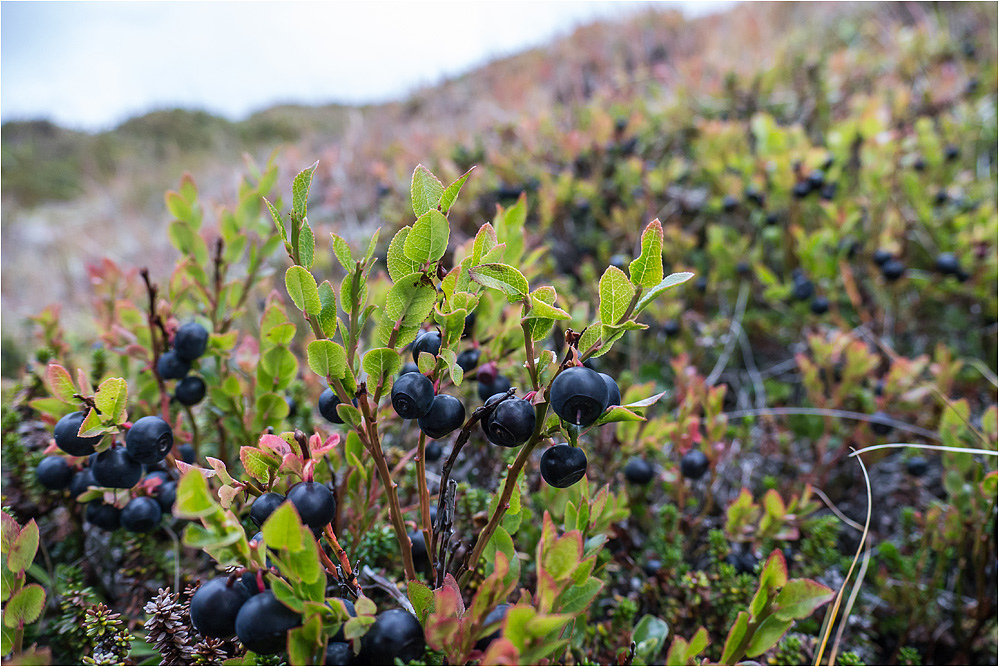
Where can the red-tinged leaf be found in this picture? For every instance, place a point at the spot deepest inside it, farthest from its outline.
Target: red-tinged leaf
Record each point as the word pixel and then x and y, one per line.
pixel 799 598
pixel 185 467
pixel 447 599
pixel 772 578
pixel 276 444
pixel 226 495
pixel 320 448
pixel 501 652
pixel 83 382
pixel 422 599
pixel 60 383
pixel 292 463
pixel 8 531
pixel 774 504
pixel 219 468
pixel 24 607
pixel 767 635
pixel 258 463
pixel 25 545
pixel 735 637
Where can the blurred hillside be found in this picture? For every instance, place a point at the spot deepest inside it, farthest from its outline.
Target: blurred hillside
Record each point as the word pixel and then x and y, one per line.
pixel 70 198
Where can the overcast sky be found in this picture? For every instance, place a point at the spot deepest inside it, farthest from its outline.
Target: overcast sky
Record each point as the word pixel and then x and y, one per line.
pixel 91 65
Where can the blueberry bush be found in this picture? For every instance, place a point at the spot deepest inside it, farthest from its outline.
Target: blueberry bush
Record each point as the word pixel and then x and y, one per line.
pixel 760 428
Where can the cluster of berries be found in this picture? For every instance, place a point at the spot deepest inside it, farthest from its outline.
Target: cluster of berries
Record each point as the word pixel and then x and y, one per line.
pixel 189 343
pixel 147 444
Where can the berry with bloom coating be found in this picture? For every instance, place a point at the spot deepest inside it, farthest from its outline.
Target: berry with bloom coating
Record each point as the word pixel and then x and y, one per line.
pixel 579 395
pixel 563 465
pixel 115 469
pixel 215 606
pixel 511 422
pixel 190 341
pixel 315 504
pixel 67 436
pixel 412 395
pixel 190 390
pixel 172 367
pixel 149 440
pixel 141 515
pixel 54 473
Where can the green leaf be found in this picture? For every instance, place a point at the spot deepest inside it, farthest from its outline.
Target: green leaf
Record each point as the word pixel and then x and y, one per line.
pixel 578 597
pixel 799 598
pixel 618 413
pixel 327 359
pixel 510 229
pixel 647 269
pixel 24 607
pixel 410 300
pixel 427 240
pixel 650 636
pixel 187 240
pixel 300 190
pixel 194 500
pixel 93 425
pixel 381 362
pixel 286 594
pixel 59 383
pixel 278 221
pixel 735 637
pixel 342 252
pixel 111 399
pixel 259 464
pixel 372 245
pixel 485 240
pixel 540 327
pixel 645 402
pixel 305 641
pixel 616 292
pixel 767 635
pixel 23 549
pixel 451 193
pixel 426 191
pixel 303 290
pixel 540 309
pixel 327 311
pixel 422 599
pixel 306 245
pixel 283 528
pixel 669 281
pixel 502 277
pixel 399 265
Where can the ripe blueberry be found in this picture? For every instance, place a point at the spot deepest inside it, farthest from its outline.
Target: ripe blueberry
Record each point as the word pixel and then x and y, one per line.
pixel 190 341
pixel 652 567
pixel 892 270
pixel 511 423
pixel 820 305
pixel 187 453
pixel 499 385
pixel 315 504
pixel 828 192
pixel 917 466
pixel 339 653
pixel 771 219
pixel 947 264
pixel 149 440
pixel 881 423
pixel 951 152
pixel 941 197
pixel 115 469
pixel 105 517
pixel 190 390
pixel 434 451
pixel 579 395
pixel 497 615
pixel 802 189
pixel 445 415
pixel 613 391
pixel 412 395
pixel 141 515
pixel 263 506
pixel 803 289
pixel 729 203
pixel 395 634
pixel 262 623
pixel 409 367
pixel 881 256
pixel 166 496
pixel 469 359
pixel 215 605
pixel 743 268
pixel 469 325
pixel 421 559
pixel 67 436
pixel 429 342
pixel 327 406
pixel 671 328
pixel 639 471
pixel 816 178
pixel 54 473
pixel 694 464
pixel 172 367
pixel 82 481
pixel 563 465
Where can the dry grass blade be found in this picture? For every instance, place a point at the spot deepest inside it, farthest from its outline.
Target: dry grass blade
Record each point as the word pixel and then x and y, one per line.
pixel 831 618
pixel 943 448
